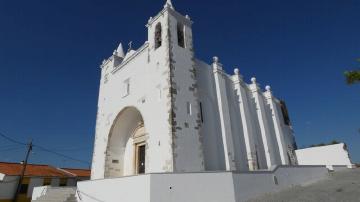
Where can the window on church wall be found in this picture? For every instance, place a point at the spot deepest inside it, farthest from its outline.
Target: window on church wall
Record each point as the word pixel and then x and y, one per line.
pixel 201 113
pixel 158 88
pixel 181 35
pixel 158 36
pixel 188 108
pixel 126 87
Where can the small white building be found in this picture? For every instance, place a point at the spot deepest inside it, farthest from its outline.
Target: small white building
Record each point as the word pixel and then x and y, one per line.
pixel 163 110
pixel 329 155
pixel 35 175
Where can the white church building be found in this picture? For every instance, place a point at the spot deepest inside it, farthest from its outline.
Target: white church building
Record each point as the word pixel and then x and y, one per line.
pixel 162 110
pixel 171 127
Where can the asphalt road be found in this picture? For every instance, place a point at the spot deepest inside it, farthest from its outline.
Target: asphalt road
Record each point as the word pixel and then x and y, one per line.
pixel 341 186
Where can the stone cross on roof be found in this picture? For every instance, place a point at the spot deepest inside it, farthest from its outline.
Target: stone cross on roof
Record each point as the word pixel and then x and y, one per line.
pixel 130 46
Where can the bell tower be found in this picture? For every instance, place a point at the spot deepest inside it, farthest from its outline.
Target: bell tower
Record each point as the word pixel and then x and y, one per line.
pixel 171 51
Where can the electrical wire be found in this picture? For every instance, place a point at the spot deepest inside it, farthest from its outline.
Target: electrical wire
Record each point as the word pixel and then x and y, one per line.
pixel 12 140
pixel 44 149
pixel 59 154
pixel 10 149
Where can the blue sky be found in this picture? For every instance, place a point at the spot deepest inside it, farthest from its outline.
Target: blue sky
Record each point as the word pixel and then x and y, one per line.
pixel 50 52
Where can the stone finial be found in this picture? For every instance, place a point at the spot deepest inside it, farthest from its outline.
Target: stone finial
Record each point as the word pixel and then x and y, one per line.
pixel 253 80
pixel 187 17
pixel 268 88
pixel 215 59
pixel 236 71
pixel 216 64
pixel 168 4
pixel 150 19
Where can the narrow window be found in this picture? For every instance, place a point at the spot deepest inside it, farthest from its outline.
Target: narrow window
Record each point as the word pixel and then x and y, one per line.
pixel 181 35
pixel 159 92
pixel 201 113
pixel 188 107
pixel 126 87
pixel 158 35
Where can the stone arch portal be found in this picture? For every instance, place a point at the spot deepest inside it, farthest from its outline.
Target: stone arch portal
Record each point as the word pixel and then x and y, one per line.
pixel 125 152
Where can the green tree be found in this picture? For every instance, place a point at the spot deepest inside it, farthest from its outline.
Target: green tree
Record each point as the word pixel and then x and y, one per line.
pixel 353 76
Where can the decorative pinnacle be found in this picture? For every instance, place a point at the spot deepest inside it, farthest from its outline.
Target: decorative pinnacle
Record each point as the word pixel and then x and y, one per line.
pixel 253 80
pixel 169 4
pixel 236 71
pixel 120 51
pixel 268 88
pixel 216 59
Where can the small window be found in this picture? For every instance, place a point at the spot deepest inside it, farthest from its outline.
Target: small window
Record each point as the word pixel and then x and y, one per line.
pixel 201 113
pixel 24 188
pixel 159 92
pixel 158 36
pixel 126 87
pixel 181 35
pixel 188 107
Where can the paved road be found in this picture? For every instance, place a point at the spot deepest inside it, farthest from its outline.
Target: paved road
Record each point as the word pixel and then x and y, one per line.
pixel 342 186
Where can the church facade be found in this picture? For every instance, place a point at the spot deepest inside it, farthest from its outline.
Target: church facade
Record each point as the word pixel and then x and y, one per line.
pixel 162 110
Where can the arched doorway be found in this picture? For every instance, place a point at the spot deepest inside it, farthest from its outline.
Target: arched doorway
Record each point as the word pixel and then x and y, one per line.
pixel 125 152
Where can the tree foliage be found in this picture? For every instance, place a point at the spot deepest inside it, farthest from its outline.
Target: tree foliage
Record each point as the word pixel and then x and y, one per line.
pixel 353 76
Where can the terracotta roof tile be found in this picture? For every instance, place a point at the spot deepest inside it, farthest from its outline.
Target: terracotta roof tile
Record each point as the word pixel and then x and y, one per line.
pixel 78 172
pixel 33 170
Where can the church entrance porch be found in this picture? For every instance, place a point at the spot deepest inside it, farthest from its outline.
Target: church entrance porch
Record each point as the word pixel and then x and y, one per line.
pixel 126 148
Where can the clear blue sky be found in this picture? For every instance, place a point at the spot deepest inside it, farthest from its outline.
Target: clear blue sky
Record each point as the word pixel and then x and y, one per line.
pixel 50 52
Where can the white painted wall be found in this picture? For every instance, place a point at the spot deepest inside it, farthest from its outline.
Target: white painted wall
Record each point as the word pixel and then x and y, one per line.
pixel 198 187
pixel 39 191
pixel 134 189
pixel 250 185
pixel 330 155
pixel 8 187
pixel 194 187
pixel 34 182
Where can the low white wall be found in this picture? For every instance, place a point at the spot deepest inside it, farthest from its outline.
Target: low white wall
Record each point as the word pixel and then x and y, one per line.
pixel 131 189
pixel 192 187
pixel 198 187
pixel 39 191
pixel 252 184
pixel 330 155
